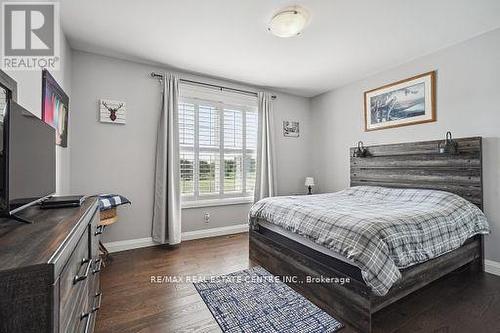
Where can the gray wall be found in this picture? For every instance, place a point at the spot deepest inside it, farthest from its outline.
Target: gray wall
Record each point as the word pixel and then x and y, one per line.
pixel 468 89
pixel 120 158
pixel 29 95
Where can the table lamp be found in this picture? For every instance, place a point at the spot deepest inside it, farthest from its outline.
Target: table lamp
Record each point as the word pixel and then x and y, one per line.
pixel 309 183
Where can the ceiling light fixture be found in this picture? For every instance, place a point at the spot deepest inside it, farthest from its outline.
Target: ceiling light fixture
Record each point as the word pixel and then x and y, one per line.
pixel 289 22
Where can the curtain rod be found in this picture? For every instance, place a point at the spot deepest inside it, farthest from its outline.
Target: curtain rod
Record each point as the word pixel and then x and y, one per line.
pixel 160 76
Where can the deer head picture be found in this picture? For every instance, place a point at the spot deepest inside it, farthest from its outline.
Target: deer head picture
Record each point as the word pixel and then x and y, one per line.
pixel 112 111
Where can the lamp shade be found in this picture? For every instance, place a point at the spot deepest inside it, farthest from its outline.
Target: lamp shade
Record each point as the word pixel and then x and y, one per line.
pixel 309 181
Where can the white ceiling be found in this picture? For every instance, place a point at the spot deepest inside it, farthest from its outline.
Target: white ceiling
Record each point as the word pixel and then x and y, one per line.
pixel 345 41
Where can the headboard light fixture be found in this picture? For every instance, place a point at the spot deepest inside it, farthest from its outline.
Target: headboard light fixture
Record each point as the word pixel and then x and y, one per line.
pixel 448 146
pixel 360 151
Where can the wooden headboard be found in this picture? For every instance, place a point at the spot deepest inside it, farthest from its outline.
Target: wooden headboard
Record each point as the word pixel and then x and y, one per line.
pixel 420 165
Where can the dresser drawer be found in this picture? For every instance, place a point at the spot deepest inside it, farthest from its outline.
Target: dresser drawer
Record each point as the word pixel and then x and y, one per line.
pixel 89 318
pixel 95 234
pixel 76 320
pixel 74 284
pixel 97 265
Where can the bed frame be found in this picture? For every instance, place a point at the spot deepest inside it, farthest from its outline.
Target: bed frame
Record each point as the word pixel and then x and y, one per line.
pixel 405 165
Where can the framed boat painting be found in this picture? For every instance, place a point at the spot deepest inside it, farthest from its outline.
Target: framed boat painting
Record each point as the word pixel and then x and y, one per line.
pixel 407 102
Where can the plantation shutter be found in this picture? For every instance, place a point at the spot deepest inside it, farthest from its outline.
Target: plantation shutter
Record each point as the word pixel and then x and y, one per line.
pixel 218 141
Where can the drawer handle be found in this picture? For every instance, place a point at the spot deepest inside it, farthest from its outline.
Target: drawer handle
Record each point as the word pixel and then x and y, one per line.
pixel 98 269
pixel 99 230
pixel 88 317
pixel 98 306
pixel 79 278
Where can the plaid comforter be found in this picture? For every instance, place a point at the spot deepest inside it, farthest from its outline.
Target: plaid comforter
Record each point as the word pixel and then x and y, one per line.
pixel 380 230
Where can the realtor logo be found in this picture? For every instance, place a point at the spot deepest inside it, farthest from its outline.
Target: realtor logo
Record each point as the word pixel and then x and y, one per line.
pixel 30 35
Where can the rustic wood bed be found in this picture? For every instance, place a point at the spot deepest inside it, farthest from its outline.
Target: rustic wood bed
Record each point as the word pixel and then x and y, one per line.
pixel 405 165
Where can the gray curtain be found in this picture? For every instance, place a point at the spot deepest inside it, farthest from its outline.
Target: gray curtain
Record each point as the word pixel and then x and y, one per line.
pixel 167 204
pixel 265 183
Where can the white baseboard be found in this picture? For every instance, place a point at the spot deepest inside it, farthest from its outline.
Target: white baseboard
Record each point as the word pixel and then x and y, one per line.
pixel 130 244
pixel 492 267
pixel 213 232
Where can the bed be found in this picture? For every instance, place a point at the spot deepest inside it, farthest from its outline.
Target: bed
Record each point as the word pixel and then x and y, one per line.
pixel 440 194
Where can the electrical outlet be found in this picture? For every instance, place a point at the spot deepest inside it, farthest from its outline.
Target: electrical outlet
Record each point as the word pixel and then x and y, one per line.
pixel 206 217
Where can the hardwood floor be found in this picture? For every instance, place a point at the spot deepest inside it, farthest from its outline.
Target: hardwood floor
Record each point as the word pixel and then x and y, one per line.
pixel 462 302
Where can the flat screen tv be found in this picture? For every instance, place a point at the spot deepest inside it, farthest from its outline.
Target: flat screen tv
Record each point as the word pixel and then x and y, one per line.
pixel 28 159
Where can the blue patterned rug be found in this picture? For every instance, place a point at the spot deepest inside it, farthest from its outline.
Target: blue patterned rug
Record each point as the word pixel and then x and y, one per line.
pixel 253 301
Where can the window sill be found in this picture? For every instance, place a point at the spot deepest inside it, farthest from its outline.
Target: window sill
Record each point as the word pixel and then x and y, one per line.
pixel 216 202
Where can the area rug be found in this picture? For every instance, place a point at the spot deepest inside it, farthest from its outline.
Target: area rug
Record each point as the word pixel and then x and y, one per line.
pixel 253 300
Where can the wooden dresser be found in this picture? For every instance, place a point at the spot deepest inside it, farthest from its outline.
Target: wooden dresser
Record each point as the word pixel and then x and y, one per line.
pixel 49 270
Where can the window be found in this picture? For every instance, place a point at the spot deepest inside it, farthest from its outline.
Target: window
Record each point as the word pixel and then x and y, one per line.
pixel 218 142
pixel 3 102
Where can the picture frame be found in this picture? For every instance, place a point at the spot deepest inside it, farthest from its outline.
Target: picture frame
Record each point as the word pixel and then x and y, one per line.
pixel 113 112
pixel 291 129
pixel 55 107
pixel 407 102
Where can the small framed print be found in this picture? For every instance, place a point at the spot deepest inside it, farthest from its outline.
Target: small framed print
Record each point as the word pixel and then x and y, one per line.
pixel 291 128
pixel 407 102
pixel 112 111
